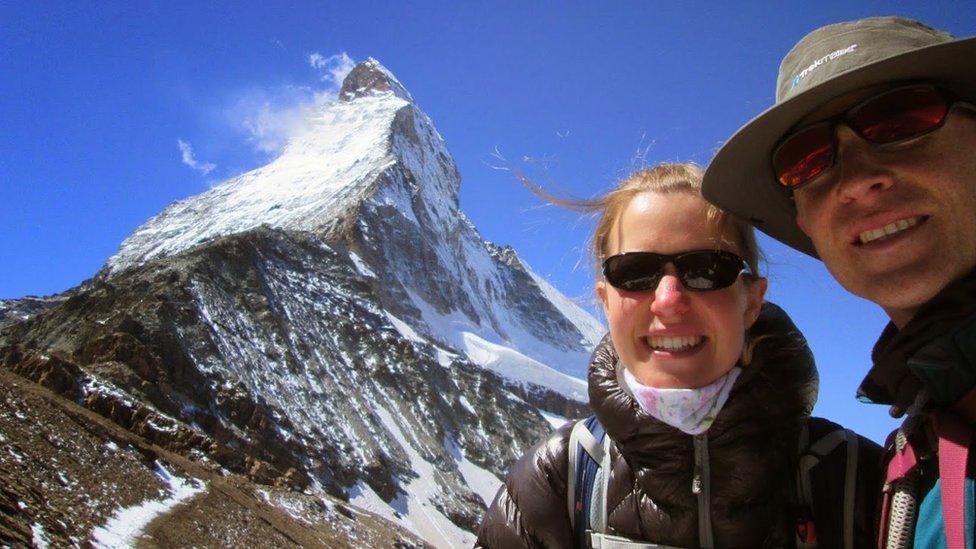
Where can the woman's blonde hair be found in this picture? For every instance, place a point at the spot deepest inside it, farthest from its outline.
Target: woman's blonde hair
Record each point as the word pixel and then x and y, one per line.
pixel 665 178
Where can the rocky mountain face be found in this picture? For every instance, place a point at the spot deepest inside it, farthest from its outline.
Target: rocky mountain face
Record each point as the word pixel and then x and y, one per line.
pixel 330 326
pixel 13 311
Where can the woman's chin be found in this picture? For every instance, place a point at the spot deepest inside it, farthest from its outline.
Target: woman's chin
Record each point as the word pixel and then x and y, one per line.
pixel 670 372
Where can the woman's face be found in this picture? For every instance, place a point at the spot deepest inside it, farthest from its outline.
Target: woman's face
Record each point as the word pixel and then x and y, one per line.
pixel 709 326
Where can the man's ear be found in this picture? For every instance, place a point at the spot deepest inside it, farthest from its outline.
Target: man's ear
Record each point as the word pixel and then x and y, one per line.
pixel 755 292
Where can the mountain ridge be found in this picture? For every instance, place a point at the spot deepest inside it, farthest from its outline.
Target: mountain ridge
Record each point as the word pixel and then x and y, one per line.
pixel 330 323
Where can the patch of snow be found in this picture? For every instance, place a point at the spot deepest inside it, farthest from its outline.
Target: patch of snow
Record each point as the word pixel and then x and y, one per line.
pixel 293 507
pixel 458 330
pixel 125 525
pixel 481 481
pixel 364 497
pixel 444 358
pixel 554 420
pixel 39 536
pixel 513 365
pixel 592 329
pixel 404 328
pixel 361 266
pixel 417 509
pixel 467 404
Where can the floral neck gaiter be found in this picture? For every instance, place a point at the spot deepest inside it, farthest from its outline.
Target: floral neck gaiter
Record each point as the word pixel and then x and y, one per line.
pixel 690 410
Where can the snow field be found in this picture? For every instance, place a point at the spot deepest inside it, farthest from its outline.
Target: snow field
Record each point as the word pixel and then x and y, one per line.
pixel 126 524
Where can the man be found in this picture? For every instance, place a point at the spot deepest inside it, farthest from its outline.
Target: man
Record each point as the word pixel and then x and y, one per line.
pixel 868 161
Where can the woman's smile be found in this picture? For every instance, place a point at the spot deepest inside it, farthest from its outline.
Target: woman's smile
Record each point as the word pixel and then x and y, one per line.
pixel 675 346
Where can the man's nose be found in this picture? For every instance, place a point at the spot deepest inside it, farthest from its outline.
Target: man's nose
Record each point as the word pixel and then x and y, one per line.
pixel 861 178
pixel 670 297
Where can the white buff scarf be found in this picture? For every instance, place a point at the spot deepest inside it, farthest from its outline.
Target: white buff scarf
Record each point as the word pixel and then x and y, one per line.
pixel 690 410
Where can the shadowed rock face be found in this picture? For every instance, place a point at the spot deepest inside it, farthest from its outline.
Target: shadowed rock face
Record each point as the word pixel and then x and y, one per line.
pixel 13 311
pixel 326 359
pixel 370 77
pixel 265 353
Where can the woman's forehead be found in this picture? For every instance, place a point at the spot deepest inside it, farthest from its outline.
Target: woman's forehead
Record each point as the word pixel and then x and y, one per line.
pixel 665 223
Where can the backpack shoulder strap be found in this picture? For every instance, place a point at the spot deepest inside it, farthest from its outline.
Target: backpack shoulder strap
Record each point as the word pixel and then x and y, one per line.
pixel 955 437
pixel 810 455
pixel 587 478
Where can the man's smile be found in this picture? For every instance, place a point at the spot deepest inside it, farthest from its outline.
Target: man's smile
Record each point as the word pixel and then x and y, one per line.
pixel 888 230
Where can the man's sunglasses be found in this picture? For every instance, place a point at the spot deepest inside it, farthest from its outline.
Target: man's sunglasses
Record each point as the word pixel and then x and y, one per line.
pixel 699 270
pixel 895 115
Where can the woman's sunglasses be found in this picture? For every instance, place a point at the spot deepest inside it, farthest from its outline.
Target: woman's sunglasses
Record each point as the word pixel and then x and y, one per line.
pixel 895 115
pixel 700 270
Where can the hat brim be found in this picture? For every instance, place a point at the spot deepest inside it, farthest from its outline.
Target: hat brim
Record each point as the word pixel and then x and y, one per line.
pixel 740 178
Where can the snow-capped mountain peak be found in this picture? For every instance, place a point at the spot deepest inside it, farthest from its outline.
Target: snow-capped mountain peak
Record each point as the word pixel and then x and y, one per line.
pixel 368 77
pixel 324 172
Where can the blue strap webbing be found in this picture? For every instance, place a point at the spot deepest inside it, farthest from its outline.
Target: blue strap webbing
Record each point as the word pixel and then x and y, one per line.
pixel 586 468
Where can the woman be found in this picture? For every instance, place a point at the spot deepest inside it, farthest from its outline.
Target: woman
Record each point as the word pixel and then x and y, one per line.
pixel 704 392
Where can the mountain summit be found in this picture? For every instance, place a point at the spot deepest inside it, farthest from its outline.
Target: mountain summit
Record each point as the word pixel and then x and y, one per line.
pixel 331 323
pixel 371 77
pixel 317 182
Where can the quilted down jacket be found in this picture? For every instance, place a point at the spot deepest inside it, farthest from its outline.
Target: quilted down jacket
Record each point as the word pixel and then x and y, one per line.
pixel 732 486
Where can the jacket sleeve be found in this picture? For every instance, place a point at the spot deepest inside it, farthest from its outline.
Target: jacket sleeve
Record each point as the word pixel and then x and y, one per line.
pixel 530 509
pixel 828 480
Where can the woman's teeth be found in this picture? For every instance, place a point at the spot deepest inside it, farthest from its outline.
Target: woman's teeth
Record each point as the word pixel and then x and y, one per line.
pixel 887 230
pixel 673 343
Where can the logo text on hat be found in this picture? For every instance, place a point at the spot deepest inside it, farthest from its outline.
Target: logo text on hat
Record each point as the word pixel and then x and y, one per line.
pixel 816 64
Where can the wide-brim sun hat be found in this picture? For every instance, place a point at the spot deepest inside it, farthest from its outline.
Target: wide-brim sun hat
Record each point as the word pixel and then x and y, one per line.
pixel 828 63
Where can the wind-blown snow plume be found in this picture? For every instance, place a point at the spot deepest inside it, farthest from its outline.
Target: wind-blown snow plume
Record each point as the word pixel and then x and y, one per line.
pixel 334 68
pixel 186 155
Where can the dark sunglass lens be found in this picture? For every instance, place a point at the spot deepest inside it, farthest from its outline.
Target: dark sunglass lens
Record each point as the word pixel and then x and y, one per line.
pixel 804 155
pixel 633 272
pixel 900 114
pixel 708 270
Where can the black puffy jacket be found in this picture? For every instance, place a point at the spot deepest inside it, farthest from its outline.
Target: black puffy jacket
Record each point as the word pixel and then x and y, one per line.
pixel 750 470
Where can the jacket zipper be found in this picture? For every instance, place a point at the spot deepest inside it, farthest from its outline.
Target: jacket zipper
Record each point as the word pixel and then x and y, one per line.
pixel 701 487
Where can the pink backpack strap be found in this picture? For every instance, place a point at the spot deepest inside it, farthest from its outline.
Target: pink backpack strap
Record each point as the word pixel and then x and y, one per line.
pixel 902 463
pixel 955 437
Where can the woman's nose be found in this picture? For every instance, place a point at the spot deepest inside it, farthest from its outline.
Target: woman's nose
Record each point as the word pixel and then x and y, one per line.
pixel 670 297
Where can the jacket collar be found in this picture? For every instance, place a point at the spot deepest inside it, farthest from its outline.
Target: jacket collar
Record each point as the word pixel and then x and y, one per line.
pixel 925 354
pixel 778 387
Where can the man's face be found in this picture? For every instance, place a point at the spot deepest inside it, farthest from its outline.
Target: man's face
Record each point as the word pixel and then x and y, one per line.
pixel 919 194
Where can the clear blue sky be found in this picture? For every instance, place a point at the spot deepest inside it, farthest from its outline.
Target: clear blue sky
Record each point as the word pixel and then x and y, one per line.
pixel 95 100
